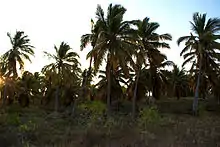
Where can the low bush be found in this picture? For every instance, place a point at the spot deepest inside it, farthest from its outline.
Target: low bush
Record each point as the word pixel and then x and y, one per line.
pixel 92 112
pixel 148 116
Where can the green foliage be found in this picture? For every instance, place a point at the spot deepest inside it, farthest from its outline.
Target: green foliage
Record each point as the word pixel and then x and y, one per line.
pixel 202 109
pixel 27 127
pixel 21 49
pixel 13 119
pixel 93 111
pixel 149 116
pixel 94 107
pixel 110 123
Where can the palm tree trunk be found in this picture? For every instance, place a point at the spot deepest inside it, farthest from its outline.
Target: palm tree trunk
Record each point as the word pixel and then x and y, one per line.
pixel 4 96
pixel 86 78
pixel 90 64
pixel 154 83
pixel 74 104
pixel 84 84
pixel 57 99
pixel 60 75
pixel 15 74
pixel 109 91
pixel 177 94
pixel 135 96
pixel 195 101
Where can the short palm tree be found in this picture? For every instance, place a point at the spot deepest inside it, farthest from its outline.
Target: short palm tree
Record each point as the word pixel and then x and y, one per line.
pixel 21 49
pixel 179 81
pixel 200 47
pixel 116 93
pixel 158 77
pixel 66 62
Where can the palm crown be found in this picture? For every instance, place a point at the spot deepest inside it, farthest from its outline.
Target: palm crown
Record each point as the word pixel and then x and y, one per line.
pixel 21 49
pixel 204 35
pixel 64 59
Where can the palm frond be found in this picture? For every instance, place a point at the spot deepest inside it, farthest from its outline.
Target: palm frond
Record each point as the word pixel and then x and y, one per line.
pixel 85 39
pixel 182 39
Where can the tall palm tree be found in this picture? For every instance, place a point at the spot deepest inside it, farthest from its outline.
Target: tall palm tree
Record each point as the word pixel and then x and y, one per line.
pixel 137 66
pixel 66 62
pixel 200 47
pixel 111 42
pixel 85 40
pixel 21 49
pixel 149 42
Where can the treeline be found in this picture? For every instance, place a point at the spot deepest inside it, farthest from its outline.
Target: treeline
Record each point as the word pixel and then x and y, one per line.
pixel 135 66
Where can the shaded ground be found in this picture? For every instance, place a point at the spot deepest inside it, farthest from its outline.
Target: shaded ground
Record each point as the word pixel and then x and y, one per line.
pixel 36 127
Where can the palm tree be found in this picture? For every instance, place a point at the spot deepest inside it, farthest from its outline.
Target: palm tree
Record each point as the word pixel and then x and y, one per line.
pixel 215 85
pixel 116 88
pixel 137 66
pixel 179 81
pixel 66 62
pixel 85 40
pixel 149 42
pixel 21 49
pixel 111 42
pixel 200 47
pixel 158 77
pixel 29 87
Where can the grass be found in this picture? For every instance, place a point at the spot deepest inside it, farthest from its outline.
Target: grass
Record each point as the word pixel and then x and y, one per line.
pixel 154 127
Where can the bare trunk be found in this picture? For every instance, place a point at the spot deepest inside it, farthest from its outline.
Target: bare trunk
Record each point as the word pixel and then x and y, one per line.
pixel 84 85
pixel 86 78
pixel 135 96
pixel 58 88
pixel 177 94
pixel 15 74
pixel 195 101
pixel 4 96
pixel 57 99
pixel 109 91
pixel 74 104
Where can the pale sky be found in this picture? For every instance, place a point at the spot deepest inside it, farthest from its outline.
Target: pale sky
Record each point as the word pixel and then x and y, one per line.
pixel 49 22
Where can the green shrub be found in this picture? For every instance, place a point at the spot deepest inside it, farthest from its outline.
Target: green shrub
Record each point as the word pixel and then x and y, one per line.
pixel 30 126
pixel 149 116
pixel 202 109
pixel 93 111
pixel 13 119
pixel 94 107
pixel 110 123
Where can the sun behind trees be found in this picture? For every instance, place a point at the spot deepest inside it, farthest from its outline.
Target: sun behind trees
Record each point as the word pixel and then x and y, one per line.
pixel 135 81
pixel 131 48
pixel 135 69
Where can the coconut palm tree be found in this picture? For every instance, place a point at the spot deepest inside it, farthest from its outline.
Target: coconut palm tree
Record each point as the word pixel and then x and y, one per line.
pixel 85 40
pixel 116 88
pixel 149 42
pixel 111 42
pixel 139 56
pixel 158 77
pixel 200 47
pixel 179 81
pixel 65 64
pixel 20 50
